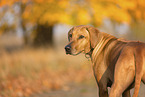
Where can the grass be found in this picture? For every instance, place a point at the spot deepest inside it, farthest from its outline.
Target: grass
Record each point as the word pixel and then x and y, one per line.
pixel 28 71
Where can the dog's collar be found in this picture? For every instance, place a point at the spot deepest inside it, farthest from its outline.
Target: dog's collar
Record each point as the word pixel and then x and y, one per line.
pixel 89 54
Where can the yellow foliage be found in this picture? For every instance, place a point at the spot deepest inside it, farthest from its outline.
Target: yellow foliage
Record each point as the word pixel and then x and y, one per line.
pixel 141 3
pixel 138 14
pixel 65 18
pixel 118 14
pixel 24 1
pixel 83 17
pixel 144 16
pixel 110 10
pixel 7 2
pixel 49 18
pixel 46 12
pixel 127 4
pixel 63 3
pixel 81 12
pixel 39 1
pixel 26 14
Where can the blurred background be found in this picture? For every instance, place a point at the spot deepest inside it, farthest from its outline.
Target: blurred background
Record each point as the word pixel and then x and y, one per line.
pixel 33 34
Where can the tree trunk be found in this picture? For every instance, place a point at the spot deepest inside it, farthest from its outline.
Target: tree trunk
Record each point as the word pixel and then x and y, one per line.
pixel 44 36
pixel 22 24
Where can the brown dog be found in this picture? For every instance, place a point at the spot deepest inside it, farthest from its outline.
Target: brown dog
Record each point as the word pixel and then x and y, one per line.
pixel 116 63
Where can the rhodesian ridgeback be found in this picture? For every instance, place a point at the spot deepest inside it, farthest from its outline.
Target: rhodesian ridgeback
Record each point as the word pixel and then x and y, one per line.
pixel 116 63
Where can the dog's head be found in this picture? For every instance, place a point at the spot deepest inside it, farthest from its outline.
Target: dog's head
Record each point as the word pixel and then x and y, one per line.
pixel 81 39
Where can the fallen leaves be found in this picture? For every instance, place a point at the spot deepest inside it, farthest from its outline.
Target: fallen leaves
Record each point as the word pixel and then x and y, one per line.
pixel 26 72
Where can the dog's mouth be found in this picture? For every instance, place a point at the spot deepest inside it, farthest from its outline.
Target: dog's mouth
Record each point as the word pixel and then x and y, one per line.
pixel 74 54
pixel 77 53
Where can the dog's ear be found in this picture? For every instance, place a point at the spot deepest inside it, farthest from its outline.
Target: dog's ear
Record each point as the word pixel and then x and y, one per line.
pixel 93 32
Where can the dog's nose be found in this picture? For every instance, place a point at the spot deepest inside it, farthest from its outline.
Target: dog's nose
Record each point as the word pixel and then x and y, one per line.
pixel 68 49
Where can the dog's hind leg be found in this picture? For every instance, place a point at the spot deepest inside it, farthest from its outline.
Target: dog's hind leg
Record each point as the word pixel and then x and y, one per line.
pixel 138 70
pixel 124 73
pixel 121 84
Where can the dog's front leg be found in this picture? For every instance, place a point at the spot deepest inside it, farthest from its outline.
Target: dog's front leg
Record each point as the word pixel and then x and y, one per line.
pixel 126 93
pixel 103 91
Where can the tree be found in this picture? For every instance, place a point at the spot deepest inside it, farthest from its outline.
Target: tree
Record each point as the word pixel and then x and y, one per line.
pixel 44 14
pixel 9 5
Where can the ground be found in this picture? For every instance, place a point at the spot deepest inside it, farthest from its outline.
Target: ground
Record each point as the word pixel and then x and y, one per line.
pixel 81 91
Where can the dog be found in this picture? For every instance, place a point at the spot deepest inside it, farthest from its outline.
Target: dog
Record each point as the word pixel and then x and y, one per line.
pixel 117 63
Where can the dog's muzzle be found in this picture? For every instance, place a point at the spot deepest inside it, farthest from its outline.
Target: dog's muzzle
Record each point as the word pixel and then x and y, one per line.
pixel 68 49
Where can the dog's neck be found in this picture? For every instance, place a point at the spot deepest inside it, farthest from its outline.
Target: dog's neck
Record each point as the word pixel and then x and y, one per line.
pixel 103 40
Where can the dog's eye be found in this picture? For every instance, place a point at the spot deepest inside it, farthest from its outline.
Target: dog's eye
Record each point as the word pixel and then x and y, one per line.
pixel 81 37
pixel 70 35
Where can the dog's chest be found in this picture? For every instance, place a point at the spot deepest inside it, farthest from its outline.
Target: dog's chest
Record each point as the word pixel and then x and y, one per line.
pixel 100 69
pixel 104 67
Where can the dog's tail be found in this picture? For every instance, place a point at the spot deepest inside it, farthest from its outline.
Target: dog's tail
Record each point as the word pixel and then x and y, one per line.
pixel 138 70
